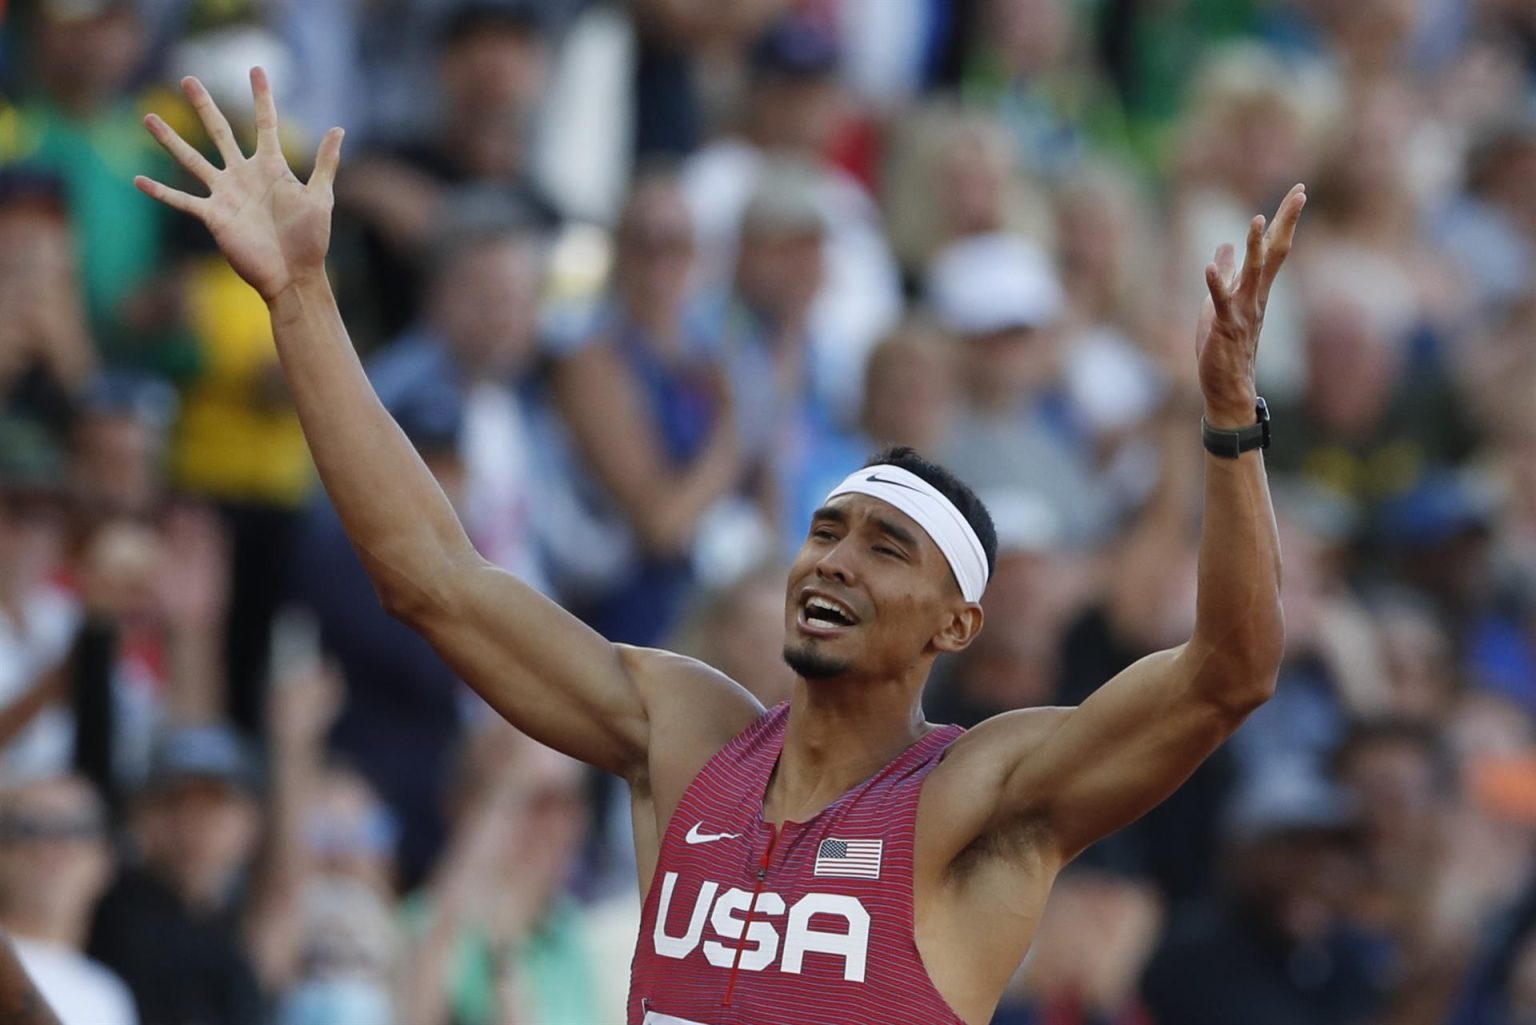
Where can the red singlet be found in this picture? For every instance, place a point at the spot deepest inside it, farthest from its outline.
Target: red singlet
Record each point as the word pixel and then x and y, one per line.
pixel 825 906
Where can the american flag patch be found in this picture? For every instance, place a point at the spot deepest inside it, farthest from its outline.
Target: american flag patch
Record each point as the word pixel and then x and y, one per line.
pixel 849 859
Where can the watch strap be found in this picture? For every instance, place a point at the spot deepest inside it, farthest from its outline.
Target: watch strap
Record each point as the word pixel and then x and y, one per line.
pixel 1230 444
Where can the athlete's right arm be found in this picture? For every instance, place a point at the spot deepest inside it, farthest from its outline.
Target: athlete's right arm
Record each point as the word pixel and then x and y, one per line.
pixel 538 666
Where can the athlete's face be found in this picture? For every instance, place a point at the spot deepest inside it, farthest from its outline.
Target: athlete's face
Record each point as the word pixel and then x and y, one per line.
pixel 871 596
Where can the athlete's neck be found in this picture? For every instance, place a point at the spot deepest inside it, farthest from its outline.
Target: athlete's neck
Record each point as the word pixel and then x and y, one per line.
pixel 838 736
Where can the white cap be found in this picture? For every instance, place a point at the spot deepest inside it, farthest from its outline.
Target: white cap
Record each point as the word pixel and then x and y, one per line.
pixel 1025 520
pixel 989 283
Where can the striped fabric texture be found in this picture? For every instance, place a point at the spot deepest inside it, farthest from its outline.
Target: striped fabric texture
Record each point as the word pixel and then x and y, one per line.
pixel 807 924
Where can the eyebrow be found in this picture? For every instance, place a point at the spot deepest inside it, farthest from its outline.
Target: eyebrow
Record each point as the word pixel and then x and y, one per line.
pixel 887 526
pixel 896 532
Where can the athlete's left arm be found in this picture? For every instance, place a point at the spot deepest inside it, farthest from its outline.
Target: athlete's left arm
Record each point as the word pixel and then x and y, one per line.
pixel 1085 772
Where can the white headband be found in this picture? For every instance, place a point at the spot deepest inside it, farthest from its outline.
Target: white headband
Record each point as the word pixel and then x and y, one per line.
pixel 937 515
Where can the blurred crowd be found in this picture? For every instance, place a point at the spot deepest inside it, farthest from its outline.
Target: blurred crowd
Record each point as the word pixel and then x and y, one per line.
pixel 641 280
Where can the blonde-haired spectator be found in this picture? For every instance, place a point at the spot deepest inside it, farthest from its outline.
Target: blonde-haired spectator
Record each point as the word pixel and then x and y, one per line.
pixel 951 173
pixel 1250 132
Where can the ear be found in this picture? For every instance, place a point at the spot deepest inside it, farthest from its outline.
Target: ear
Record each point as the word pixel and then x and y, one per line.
pixel 960 630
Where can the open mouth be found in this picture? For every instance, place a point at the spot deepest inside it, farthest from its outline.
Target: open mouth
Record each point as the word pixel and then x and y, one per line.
pixel 819 614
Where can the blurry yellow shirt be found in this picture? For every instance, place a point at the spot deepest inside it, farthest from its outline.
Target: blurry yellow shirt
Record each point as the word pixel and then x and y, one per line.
pixel 232 444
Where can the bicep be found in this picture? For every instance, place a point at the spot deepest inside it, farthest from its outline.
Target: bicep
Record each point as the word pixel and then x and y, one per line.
pixel 541 668
pixel 630 711
pixel 1130 745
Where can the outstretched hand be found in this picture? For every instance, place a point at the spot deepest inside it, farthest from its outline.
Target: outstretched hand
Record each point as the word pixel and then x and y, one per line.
pixel 272 227
pixel 1227 339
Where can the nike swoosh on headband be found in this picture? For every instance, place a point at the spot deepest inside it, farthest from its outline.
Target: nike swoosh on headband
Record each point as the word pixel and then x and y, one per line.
pixel 931 510
pixel 894 483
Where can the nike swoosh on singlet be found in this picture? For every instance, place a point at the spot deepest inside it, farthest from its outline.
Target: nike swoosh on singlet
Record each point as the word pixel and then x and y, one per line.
pixel 875 477
pixel 694 836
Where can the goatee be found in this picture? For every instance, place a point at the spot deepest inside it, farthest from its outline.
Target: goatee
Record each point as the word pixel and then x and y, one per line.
pixel 810 665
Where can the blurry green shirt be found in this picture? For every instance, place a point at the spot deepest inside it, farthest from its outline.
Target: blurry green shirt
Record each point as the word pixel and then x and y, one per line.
pixel 1155 50
pixel 120 232
pixel 554 966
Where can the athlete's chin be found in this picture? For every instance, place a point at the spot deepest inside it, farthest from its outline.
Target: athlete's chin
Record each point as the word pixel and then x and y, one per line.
pixel 811 661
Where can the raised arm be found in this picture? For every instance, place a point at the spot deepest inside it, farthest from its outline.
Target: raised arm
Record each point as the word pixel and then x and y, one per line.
pixel 538 666
pixel 1088 771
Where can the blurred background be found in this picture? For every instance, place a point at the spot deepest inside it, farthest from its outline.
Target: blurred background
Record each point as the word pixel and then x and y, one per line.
pixel 641 280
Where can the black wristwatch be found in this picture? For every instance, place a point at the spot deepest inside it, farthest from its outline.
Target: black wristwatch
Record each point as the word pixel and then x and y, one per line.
pixel 1231 444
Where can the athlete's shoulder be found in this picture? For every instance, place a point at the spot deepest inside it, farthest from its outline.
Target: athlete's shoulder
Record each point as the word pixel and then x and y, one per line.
pixel 672 678
pixel 960 796
pixel 688 702
pixel 994 744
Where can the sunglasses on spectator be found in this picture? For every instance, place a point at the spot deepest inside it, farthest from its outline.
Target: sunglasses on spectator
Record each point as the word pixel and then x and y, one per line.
pixel 25 828
pixel 375 835
pixel 664 243
pixel 29 507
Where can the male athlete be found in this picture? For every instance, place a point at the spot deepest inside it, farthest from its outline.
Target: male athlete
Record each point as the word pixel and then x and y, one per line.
pixel 835 860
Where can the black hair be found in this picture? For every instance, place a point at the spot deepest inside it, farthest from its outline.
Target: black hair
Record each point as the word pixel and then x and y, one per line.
pixel 472 17
pixel 951 487
pixel 23 185
pixel 1393 729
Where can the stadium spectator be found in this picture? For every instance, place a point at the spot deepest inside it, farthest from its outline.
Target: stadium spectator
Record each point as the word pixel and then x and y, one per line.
pixel 55 861
pixel 1419 661
pixel 1030 595
pixel 1277 948
pixel 118 443
pixel 1486 231
pixel 79 120
pixel 795 444
pixel 1028 71
pixel 492 936
pixel 319 916
pixel 1370 426
pixel 46 350
pixel 1094 940
pixel 1141 598
pixel 647 404
pixel 38 616
pixel 1333 670
pixel 398 695
pixel 793 108
pixel 1403 781
pixel 238 446
pixel 491 62
pixel 1249 133
pixel 951 174
pixel 911 390
pixel 1437 538
pixel 350 942
pixel 1115 377
pixel 478 343
pixel 1052 176
pixel 1000 298
pixel 171 926
pixel 739 629
pixel 675 43
pixel 147 653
